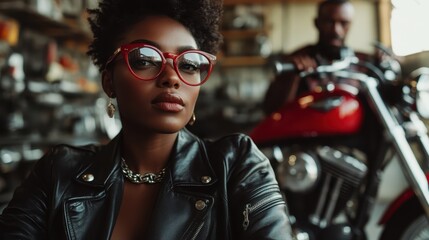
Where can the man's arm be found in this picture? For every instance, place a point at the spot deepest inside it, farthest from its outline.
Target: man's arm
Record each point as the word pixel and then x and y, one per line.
pixel 281 91
pixel 284 88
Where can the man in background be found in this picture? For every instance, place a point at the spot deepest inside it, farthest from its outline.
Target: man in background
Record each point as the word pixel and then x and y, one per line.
pixel 333 21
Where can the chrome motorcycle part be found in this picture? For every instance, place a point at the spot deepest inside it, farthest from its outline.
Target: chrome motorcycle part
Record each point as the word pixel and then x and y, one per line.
pixel 338 164
pixel 422 133
pixel 298 172
pixel 422 98
pixel 411 167
pixel 300 235
pixel 342 175
pixel 417 90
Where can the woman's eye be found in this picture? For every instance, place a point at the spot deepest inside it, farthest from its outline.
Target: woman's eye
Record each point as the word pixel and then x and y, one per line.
pixel 142 63
pixel 189 67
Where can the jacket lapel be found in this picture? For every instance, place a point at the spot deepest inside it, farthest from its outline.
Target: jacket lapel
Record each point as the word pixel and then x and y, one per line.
pixel 186 197
pixel 189 163
pixel 100 185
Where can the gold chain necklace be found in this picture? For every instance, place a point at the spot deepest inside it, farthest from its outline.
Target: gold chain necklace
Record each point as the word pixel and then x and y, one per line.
pixel 149 178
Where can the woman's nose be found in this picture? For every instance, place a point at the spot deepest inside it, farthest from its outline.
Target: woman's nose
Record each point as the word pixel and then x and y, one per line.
pixel 169 77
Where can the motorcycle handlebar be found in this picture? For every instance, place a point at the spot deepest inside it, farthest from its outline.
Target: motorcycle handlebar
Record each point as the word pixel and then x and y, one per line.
pixel 281 67
pixel 346 57
pixel 336 66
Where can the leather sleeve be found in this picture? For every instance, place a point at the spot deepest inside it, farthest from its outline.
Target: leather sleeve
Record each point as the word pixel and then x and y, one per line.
pixel 26 215
pixel 31 212
pixel 257 207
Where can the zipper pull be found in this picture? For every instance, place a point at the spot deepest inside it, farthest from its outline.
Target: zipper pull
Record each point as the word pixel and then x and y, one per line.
pixel 246 217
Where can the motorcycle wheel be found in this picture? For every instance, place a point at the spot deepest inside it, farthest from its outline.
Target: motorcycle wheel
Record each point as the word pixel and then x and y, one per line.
pixel 408 223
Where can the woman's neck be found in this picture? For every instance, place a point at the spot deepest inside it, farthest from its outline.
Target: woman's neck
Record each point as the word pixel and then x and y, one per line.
pixel 147 152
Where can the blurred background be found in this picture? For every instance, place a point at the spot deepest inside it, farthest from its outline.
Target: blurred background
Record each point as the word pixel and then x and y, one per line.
pixel 50 92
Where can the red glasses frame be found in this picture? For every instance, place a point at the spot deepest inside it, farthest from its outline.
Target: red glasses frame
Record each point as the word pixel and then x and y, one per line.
pixel 126 48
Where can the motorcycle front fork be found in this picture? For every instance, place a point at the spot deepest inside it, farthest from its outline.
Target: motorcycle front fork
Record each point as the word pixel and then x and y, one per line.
pixel 396 135
pixel 420 132
pixel 367 199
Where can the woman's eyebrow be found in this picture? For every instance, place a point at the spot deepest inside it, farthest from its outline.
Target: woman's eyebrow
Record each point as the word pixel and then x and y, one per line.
pixel 184 48
pixel 145 41
pixel 179 49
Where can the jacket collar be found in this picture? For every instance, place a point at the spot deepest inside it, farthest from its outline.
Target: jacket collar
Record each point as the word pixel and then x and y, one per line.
pixel 105 162
pixel 189 164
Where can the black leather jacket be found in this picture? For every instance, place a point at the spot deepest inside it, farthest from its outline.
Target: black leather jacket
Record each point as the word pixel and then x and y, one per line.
pixel 222 189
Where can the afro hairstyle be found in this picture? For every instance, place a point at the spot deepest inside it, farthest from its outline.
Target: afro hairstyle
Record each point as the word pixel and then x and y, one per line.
pixel 112 18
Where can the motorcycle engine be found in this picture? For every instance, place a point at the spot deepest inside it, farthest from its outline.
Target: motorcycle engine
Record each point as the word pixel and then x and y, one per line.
pixel 318 182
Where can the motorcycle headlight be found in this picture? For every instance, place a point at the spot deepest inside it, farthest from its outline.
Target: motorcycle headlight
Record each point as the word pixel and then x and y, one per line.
pixel 298 172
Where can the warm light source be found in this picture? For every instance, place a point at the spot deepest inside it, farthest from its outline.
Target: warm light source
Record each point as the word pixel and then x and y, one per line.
pixel 410 32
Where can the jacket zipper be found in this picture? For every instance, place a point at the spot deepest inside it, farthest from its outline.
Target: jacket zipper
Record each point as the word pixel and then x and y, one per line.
pixel 264 202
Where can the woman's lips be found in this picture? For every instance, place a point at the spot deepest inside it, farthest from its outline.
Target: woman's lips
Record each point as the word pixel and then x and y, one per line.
pixel 168 102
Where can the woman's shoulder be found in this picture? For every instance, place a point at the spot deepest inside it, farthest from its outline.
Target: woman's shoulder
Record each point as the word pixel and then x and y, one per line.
pixel 76 149
pixel 227 140
pixel 232 140
pixel 70 150
pixel 236 145
pixel 230 147
pixel 64 154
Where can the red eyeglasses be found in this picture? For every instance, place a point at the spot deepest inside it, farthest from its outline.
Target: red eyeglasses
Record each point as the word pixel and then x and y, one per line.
pixel 146 62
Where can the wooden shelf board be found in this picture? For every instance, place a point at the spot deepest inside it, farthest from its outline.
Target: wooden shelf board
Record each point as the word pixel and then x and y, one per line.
pixel 61 30
pixel 242 61
pixel 243 33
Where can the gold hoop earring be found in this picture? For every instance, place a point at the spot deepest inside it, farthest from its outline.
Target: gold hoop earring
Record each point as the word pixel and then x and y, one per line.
pixel 111 109
pixel 192 120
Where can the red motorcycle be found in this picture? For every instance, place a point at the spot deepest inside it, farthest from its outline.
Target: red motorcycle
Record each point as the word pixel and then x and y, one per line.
pixel 329 148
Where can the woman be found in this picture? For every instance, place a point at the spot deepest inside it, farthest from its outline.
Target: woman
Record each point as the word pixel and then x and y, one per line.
pixel 153 56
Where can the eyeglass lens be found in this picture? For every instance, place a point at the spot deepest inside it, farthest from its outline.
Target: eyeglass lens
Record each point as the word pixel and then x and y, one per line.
pixel 146 63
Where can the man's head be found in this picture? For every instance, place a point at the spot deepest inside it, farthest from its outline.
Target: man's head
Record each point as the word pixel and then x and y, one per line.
pixel 333 22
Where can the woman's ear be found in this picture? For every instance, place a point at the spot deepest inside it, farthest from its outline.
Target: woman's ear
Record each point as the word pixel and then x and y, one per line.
pixel 107 83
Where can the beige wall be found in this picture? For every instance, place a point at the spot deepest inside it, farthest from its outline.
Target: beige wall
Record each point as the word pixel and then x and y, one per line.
pixel 292 25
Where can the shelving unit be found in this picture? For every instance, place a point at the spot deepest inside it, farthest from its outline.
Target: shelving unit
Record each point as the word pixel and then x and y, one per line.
pixel 56 97
pixel 236 2
pixel 245 33
pixel 60 30
pixel 242 60
pixel 58 78
pixel 66 30
pixel 232 104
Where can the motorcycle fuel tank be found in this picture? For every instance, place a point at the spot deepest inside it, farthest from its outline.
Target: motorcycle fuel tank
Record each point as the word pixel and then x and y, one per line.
pixel 326 113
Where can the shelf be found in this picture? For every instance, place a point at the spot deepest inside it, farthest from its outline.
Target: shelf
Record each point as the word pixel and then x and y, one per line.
pixel 62 30
pixel 243 33
pixel 37 140
pixel 242 61
pixel 237 2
